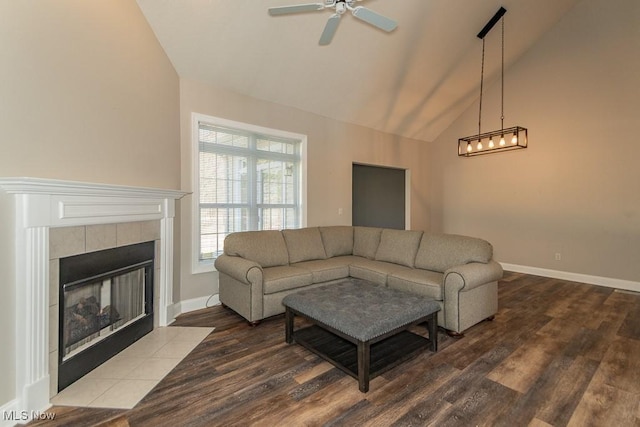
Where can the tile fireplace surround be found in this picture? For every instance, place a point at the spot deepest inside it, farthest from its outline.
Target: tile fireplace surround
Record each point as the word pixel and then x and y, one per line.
pixel 36 206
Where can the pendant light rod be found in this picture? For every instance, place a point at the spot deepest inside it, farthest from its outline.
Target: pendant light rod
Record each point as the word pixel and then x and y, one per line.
pixel 493 21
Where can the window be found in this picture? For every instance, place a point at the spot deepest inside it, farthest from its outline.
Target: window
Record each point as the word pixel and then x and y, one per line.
pixel 245 178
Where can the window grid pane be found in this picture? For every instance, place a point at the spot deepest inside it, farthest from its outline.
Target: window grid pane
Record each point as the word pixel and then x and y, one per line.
pixel 215 224
pixel 276 146
pixel 278 218
pixel 211 135
pixel 223 178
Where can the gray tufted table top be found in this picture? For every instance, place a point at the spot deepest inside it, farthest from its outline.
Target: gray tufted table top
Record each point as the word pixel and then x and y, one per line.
pixel 361 309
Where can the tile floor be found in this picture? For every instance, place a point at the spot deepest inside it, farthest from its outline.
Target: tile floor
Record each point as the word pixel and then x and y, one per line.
pixel 126 378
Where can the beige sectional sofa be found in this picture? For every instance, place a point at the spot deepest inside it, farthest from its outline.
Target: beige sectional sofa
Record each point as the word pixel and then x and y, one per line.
pixel 259 268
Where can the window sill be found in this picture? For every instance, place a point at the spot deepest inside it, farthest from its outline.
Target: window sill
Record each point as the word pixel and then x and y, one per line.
pixel 203 267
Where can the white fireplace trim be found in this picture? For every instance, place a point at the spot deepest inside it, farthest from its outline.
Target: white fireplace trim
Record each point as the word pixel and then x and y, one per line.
pixel 41 204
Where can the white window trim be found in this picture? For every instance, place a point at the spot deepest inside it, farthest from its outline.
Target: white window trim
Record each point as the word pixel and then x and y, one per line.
pixel 198 266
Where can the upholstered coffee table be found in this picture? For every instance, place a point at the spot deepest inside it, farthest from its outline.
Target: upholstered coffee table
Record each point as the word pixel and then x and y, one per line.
pixel 361 327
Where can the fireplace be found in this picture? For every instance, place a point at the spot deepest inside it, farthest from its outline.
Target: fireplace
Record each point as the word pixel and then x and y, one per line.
pixel 106 304
pixel 33 209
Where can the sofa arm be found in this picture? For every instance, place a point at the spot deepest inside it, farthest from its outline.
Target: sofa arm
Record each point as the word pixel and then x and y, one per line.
pixel 469 276
pixel 470 294
pixel 241 269
pixel 240 286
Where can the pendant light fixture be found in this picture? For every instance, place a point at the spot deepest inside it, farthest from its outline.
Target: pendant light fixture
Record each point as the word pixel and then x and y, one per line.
pixel 512 138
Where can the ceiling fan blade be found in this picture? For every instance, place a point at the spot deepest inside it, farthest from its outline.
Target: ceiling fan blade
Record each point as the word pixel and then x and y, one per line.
pixel 375 19
pixel 329 30
pixel 284 10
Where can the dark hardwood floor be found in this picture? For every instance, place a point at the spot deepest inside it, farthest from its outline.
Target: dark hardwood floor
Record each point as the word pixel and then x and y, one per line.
pixel 558 353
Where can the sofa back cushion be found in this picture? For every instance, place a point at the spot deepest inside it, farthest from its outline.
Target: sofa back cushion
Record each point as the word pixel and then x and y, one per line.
pixel 337 240
pixel 267 248
pixel 439 252
pixel 366 241
pixel 398 246
pixel 304 244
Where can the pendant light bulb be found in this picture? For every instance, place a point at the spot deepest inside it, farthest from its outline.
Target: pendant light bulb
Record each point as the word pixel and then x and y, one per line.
pixel 514 139
pixel 469 147
pixel 491 144
pixel 479 145
pixel 502 141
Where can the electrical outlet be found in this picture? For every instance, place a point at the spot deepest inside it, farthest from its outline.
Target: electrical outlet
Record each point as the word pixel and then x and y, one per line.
pixel 558 256
pixel 339 211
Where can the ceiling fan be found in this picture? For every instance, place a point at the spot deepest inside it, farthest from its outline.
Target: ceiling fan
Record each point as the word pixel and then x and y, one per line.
pixel 340 6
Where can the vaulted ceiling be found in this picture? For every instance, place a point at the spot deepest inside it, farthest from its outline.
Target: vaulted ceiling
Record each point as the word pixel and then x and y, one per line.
pixel 411 82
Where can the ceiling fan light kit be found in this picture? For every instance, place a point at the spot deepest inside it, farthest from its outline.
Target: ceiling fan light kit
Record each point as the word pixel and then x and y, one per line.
pixel 340 7
pixel 508 139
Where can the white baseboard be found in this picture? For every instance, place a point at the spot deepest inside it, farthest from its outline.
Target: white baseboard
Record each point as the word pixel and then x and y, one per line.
pixel 32 406
pixel 575 277
pixel 192 305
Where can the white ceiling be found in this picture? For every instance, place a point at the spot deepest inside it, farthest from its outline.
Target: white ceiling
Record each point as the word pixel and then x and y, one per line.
pixel 412 82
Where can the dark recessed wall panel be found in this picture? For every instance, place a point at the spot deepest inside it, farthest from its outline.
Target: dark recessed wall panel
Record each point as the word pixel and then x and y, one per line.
pixel 378 197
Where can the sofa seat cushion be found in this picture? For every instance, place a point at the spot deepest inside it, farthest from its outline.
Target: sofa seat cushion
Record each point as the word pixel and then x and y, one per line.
pixel 423 282
pixel 326 269
pixel 373 271
pixel 282 278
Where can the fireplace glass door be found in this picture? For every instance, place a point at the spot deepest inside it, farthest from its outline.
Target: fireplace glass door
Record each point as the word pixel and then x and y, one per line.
pixel 95 309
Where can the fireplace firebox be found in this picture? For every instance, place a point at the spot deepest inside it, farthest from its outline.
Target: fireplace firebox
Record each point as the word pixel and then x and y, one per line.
pixel 106 304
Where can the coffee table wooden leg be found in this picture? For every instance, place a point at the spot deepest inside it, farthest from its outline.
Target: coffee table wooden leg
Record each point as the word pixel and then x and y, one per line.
pixel 288 328
pixel 433 332
pixel 363 366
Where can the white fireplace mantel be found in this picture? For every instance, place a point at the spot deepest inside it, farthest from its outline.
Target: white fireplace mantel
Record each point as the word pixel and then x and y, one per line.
pixel 41 204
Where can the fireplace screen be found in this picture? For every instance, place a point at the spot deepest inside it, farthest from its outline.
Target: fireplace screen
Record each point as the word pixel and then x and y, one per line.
pixel 94 310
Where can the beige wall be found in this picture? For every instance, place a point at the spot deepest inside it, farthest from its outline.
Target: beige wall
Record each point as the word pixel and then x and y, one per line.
pixel 86 94
pixel 332 148
pixel 575 190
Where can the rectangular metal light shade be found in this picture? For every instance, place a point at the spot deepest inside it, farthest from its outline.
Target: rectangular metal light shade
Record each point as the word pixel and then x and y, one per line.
pixel 508 139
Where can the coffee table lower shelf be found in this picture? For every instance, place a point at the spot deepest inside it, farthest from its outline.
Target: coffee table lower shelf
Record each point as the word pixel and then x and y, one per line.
pixel 343 354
